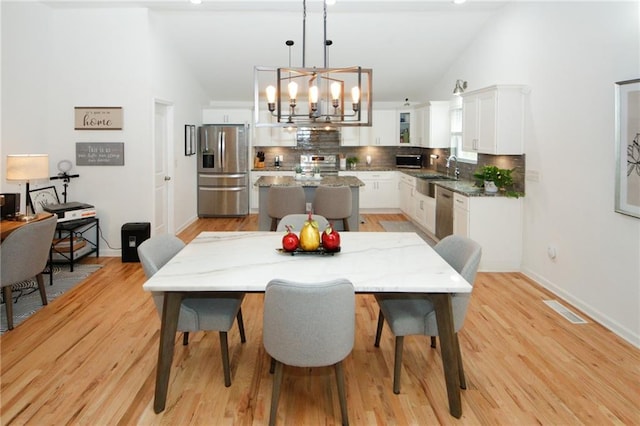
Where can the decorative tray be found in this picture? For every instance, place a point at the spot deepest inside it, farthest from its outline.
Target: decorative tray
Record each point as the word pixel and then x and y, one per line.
pixel 320 251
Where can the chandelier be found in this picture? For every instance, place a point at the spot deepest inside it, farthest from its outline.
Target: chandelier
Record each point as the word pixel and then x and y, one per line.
pixel 312 97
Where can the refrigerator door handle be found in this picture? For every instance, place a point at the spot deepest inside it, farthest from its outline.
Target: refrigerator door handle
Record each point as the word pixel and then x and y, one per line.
pixel 222 148
pixel 223 189
pixel 206 141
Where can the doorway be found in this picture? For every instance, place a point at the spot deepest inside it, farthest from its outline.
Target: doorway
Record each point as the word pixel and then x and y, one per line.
pixel 163 156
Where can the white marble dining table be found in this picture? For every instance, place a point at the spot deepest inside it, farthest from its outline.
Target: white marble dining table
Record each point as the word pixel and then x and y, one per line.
pixel 375 262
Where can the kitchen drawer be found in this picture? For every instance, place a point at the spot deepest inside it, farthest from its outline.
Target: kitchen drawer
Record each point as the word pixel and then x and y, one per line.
pixel 409 180
pixel 460 201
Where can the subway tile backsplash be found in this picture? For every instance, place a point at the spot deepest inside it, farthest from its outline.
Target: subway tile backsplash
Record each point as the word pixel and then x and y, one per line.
pixel 325 142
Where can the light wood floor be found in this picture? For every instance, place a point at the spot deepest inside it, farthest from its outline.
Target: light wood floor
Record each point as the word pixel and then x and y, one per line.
pixel 89 358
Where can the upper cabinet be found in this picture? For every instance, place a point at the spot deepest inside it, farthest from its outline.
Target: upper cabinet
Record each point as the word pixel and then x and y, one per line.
pixel 350 136
pixel 434 122
pixel 493 120
pixel 406 127
pixel 273 136
pixel 383 131
pixel 226 116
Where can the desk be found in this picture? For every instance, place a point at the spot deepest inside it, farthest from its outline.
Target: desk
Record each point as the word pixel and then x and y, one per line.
pixel 375 262
pixel 8 226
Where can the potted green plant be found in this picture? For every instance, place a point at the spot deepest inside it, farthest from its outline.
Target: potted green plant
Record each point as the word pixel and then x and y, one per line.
pixel 495 179
pixel 352 161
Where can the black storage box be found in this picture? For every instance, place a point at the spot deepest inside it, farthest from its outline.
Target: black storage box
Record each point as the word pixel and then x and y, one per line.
pixel 133 234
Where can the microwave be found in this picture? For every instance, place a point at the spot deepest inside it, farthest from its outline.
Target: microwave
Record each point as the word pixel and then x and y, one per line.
pixel 409 161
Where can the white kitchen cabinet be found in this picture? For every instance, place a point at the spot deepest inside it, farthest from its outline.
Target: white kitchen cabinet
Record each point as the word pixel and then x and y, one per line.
pixel 273 136
pixel 383 130
pixel 493 120
pixel 406 128
pixel 436 128
pixel 460 215
pixel 496 224
pixel 226 116
pixel 380 190
pixel 407 185
pixel 425 212
pixel 350 136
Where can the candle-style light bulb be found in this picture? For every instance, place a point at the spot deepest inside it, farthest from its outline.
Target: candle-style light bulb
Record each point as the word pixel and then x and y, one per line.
pixel 355 94
pixel 293 90
pixel 313 100
pixel 271 94
pixel 313 94
pixel 271 98
pixel 335 90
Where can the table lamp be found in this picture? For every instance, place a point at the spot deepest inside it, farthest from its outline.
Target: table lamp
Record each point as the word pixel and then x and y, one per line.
pixel 26 168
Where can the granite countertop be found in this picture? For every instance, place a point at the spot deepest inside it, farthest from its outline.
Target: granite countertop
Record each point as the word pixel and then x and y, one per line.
pixel 461 186
pixel 267 181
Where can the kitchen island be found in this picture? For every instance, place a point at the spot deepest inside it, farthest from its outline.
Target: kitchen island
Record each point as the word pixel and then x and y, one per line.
pixel 309 185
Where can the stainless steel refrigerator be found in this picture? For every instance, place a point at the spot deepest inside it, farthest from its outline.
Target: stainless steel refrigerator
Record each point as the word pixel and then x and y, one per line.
pixel 223 173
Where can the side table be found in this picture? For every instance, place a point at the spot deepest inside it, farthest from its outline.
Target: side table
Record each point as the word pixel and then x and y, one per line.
pixel 72 233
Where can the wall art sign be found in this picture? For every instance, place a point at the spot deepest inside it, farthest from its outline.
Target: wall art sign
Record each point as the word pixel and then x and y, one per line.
pixel 99 154
pixel 627 196
pixel 98 118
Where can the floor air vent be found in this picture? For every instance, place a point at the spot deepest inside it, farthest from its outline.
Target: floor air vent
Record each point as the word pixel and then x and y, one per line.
pixel 569 316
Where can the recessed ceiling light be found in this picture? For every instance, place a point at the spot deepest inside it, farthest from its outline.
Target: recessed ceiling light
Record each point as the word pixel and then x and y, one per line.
pixel 459 1
pixel 195 1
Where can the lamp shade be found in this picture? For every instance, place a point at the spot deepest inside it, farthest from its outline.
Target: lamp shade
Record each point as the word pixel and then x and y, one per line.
pixel 26 167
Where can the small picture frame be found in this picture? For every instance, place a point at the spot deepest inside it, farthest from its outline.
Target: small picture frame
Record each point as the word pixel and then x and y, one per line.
pixel 627 192
pixel 189 139
pixel 41 197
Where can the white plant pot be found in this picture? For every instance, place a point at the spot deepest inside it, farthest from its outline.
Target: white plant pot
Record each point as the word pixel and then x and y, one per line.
pixel 490 186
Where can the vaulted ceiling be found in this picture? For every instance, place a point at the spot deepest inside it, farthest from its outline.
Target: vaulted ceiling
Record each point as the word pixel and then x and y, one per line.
pixel 408 44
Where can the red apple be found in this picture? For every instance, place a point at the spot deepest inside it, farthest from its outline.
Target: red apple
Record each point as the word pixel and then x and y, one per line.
pixel 290 241
pixel 330 239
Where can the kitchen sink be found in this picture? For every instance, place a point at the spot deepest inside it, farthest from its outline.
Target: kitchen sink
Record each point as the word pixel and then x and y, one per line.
pixel 430 176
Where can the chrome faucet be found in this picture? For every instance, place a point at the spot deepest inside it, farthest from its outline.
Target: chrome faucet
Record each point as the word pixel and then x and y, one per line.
pixel 457 170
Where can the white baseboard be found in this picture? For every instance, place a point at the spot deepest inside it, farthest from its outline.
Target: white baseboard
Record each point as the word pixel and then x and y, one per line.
pixel 596 315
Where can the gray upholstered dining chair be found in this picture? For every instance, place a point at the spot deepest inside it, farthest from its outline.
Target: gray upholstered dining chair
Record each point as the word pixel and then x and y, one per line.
pixel 24 254
pixel 334 203
pixel 309 325
pixel 284 200
pixel 414 314
pixel 296 221
pixel 215 313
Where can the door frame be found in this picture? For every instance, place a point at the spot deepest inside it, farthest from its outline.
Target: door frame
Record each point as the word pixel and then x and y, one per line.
pixel 169 159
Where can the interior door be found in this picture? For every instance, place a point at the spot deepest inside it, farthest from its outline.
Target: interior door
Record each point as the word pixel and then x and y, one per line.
pixel 162 187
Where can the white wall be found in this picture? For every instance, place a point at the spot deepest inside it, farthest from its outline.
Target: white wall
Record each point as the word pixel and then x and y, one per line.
pixel 174 82
pixel 55 59
pixel 570 54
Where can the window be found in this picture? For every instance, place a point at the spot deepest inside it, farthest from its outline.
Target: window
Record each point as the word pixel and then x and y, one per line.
pixel 456 134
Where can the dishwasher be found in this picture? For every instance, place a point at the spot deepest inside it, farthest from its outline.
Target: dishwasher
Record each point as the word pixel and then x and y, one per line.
pixel 444 212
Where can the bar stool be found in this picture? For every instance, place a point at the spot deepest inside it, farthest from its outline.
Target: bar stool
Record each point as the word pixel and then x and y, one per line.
pixel 284 200
pixel 334 203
